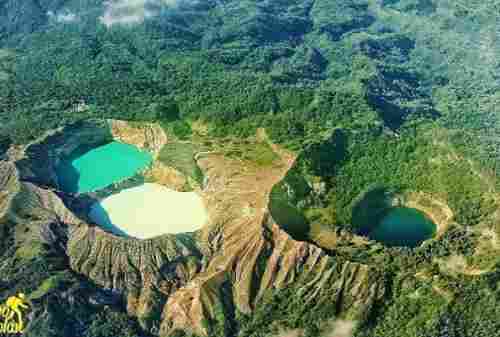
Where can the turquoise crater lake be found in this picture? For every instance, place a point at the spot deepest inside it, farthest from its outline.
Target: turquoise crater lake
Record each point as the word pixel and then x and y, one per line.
pixel 101 167
pixel 402 226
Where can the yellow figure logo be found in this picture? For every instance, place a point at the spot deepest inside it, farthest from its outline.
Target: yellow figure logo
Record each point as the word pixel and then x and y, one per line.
pixel 12 315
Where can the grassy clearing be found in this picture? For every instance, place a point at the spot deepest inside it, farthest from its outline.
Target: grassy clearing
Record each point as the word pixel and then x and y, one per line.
pixel 28 252
pixel 180 129
pixel 50 284
pixel 181 157
pixel 259 153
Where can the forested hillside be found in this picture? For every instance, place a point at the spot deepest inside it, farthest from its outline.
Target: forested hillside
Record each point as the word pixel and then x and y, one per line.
pixel 402 95
pixel 291 66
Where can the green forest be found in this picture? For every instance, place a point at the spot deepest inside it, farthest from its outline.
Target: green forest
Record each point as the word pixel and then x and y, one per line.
pixel 399 94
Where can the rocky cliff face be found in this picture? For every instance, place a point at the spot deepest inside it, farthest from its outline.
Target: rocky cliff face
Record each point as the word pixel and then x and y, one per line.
pixel 180 282
pixel 145 272
pixel 166 176
pixel 147 136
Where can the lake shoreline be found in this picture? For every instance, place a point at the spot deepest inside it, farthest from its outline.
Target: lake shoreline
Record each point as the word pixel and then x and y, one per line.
pixel 150 210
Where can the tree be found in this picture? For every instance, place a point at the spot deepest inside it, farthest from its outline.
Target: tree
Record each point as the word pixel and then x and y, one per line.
pixel 166 110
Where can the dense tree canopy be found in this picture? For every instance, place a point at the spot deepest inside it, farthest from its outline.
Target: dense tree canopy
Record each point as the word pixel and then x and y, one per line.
pixel 399 94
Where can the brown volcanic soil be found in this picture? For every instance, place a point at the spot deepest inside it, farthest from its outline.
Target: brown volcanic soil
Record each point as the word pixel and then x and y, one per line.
pixel 179 282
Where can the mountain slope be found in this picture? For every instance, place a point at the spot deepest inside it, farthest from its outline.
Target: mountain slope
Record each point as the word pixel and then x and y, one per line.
pixel 391 97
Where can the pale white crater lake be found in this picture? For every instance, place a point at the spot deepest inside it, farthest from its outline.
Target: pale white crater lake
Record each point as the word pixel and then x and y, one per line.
pixel 150 210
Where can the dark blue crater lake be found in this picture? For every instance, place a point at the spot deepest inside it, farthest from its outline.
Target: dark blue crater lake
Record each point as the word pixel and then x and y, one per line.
pixel 403 226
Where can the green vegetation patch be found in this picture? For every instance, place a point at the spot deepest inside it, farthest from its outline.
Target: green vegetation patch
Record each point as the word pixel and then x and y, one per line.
pixel 109 323
pixel 30 250
pixel 260 153
pixel 369 208
pixel 181 157
pixel 412 312
pixel 50 284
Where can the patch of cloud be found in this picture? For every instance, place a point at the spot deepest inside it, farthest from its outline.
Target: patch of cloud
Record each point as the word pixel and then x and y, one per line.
pixel 135 11
pixel 63 17
pixel 171 3
pixel 340 328
pixel 328 328
pixel 124 12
